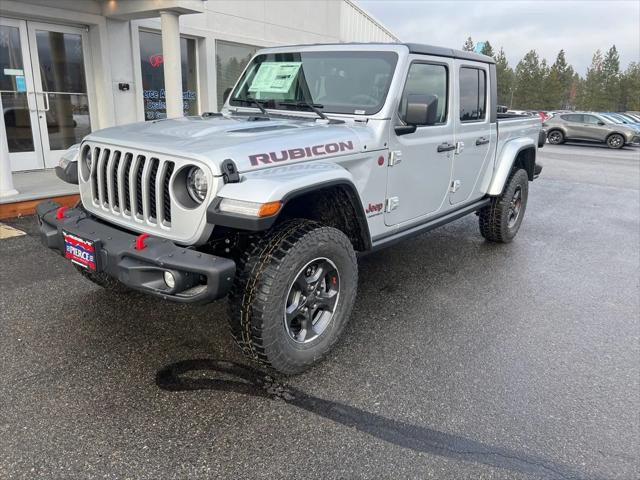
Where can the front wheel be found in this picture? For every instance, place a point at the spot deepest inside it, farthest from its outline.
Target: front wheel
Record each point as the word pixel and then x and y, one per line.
pixel 501 220
pixel 293 295
pixel 615 141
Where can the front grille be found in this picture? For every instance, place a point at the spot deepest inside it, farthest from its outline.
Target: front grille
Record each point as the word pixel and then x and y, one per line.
pixel 132 185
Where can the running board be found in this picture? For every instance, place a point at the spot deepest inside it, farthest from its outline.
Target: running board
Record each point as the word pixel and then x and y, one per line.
pixel 430 225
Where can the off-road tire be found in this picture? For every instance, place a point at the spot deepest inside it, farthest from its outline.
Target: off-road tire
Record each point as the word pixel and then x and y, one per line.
pixel 615 141
pixel 495 218
pixel 555 137
pixel 264 275
pixel 105 281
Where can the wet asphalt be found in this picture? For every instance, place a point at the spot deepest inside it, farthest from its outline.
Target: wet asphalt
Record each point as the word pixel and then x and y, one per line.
pixel 463 359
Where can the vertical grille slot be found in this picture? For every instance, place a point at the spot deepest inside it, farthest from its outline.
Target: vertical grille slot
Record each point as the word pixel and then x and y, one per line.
pixel 138 184
pixel 126 174
pixel 94 174
pixel 153 210
pixel 166 199
pixel 114 194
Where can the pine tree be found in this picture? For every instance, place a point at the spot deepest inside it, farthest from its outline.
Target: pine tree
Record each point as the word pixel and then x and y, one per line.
pixel 487 49
pixel 591 94
pixel 504 78
pixel 630 88
pixel 468 45
pixel 558 84
pixel 529 79
pixel 610 95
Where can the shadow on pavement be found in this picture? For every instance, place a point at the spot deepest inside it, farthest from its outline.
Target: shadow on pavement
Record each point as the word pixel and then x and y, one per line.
pixel 233 377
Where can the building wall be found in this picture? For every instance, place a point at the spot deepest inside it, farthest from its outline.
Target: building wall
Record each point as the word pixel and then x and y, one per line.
pixel 115 44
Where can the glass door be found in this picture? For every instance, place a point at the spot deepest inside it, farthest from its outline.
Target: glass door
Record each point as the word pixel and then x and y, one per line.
pixel 58 55
pixel 17 97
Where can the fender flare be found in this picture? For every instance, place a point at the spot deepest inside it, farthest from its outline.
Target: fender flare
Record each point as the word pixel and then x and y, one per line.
pixel 283 184
pixel 507 157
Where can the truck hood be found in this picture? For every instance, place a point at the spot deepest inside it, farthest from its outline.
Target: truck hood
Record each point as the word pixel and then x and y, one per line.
pixel 252 144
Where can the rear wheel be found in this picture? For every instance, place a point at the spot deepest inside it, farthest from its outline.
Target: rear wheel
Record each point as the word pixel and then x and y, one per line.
pixel 555 137
pixel 293 295
pixel 615 141
pixel 501 220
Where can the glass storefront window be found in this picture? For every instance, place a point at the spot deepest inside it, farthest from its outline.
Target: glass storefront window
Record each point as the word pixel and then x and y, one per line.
pixel 231 58
pixel 152 67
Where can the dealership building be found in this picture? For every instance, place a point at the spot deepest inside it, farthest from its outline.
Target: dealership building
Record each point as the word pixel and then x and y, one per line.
pixel 68 67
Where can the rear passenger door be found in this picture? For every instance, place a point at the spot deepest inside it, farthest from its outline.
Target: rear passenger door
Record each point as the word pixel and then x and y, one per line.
pixel 473 136
pixel 420 163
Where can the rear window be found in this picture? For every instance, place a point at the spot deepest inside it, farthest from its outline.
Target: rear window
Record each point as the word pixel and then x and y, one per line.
pixel 473 94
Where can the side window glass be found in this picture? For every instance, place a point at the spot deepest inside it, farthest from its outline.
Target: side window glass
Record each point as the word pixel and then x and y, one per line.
pixel 473 94
pixel 427 79
pixel 590 119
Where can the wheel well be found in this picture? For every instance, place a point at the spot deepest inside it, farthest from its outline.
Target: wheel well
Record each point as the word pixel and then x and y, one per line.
pixel 615 133
pixel 526 159
pixel 337 206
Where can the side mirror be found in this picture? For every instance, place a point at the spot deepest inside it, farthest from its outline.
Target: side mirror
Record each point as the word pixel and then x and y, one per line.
pixel 601 123
pixel 421 110
pixel 225 95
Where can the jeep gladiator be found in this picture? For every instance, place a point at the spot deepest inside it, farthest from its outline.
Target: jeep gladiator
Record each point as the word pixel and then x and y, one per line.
pixel 319 153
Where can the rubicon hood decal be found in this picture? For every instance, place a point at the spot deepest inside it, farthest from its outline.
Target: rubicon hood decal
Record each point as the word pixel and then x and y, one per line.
pixel 300 153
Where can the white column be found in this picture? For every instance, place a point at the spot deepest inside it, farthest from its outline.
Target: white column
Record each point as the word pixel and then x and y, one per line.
pixel 6 178
pixel 172 66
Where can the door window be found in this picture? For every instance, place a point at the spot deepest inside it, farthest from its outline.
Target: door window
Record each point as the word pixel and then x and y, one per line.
pixel 427 79
pixel 152 68
pixel 591 120
pixel 13 90
pixel 473 94
pixel 575 118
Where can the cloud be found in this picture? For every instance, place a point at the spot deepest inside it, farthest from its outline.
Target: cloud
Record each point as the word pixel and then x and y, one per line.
pixel 578 27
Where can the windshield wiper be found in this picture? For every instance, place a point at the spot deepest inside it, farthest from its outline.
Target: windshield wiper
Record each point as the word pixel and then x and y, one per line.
pixel 311 106
pixel 253 101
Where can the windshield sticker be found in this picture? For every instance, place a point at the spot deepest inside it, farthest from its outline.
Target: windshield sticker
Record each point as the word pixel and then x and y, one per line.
pixel 299 153
pixel 275 77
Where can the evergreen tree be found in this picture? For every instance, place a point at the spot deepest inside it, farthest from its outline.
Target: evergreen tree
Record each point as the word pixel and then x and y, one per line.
pixel 468 45
pixel 504 78
pixel 590 95
pixel 558 83
pixel 529 80
pixel 610 95
pixel 487 49
pixel 630 88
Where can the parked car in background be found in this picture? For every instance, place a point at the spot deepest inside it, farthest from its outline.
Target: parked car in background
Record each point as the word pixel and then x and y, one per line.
pixel 589 127
pixel 629 118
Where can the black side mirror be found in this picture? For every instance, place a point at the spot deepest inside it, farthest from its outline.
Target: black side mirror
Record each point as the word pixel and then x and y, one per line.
pixel 601 123
pixel 225 95
pixel 421 110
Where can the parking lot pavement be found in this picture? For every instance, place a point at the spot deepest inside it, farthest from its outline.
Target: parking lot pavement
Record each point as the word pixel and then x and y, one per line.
pixel 463 359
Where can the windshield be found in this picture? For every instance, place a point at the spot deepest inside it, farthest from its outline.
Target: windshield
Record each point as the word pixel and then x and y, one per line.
pixel 348 82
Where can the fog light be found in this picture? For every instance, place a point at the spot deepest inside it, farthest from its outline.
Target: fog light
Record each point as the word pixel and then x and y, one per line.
pixel 169 279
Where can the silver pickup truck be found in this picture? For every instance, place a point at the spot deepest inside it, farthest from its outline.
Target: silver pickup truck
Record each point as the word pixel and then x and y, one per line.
pixel 320 152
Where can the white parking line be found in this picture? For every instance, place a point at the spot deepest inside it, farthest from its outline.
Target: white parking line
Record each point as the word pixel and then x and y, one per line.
pixel 8 232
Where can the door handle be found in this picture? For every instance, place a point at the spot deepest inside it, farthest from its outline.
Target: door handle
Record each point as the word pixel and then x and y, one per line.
pixel 482 141
pixel 445 147
pixel 45 99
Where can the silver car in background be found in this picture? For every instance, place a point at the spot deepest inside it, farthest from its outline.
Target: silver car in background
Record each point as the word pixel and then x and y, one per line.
pixel 589 127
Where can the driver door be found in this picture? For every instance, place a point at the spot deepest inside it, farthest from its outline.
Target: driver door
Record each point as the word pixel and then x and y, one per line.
pixel 420 163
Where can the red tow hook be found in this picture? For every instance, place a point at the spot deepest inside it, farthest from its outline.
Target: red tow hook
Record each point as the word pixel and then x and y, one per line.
pixel 60 213
pixel 140 241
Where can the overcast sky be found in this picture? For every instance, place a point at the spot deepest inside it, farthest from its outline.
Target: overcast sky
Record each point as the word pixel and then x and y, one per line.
pixel 580 27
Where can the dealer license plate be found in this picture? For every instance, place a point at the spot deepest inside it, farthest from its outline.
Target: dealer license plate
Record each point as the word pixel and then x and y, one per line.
pixel 80 251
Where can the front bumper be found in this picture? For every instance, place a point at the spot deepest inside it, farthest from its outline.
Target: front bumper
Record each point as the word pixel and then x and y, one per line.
pixel 200 277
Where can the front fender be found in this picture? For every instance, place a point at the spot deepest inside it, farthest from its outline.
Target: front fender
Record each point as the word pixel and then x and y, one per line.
pixel 506 159
pixel 274 184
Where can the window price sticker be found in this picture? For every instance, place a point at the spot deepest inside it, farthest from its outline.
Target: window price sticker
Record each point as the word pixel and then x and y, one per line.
pixel 275 77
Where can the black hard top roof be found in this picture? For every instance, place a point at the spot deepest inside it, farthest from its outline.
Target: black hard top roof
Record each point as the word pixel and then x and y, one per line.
pixel 447 52
pixel 418 48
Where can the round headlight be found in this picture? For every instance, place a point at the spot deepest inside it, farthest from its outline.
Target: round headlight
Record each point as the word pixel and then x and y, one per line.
pixel 197 184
